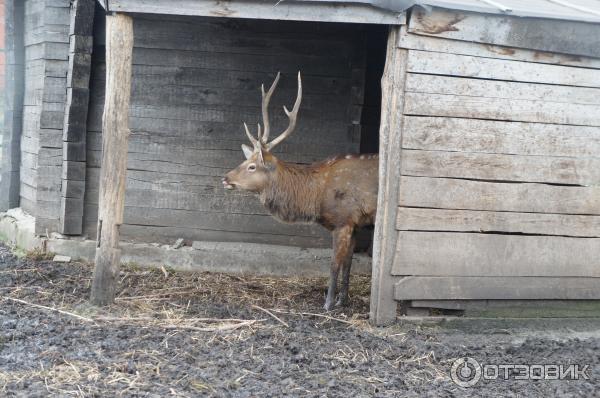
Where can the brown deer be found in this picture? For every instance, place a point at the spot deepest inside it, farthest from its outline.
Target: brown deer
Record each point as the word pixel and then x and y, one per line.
pixel 339 193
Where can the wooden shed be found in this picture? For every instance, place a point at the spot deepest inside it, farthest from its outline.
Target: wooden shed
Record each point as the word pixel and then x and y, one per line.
pixel 490 155
pixel 489 138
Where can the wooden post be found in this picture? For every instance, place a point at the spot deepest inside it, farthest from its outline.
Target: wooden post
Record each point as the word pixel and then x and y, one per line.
pixel 10 138
pixel 383 304
pixel 115 136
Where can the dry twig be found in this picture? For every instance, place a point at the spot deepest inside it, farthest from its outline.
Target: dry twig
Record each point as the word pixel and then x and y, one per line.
pixel 49 309
pixel 315 315
pixel 271 314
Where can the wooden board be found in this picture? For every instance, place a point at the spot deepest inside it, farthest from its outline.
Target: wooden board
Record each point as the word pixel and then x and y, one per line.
pixel 141 233
pixel 500 69
pixel 517 308
pixel 383 307
pixel 480 195
pixel 417 219
pixel 190 34
pixel 177 95
pixel 451 85
pixel 212 220
pixel 553 35
pixel 197 59
pixel 153 118
pixel 491 136
pixel 500 288
pixel 325 12
pixel 440 44
pixel 476 254
pixel 501 109
pixel 509 168
pixel 156 75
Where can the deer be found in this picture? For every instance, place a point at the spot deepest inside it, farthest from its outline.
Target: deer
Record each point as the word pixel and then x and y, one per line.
pixel 338 193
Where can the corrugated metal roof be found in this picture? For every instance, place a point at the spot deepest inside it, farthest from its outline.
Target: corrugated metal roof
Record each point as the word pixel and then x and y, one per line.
pixel 570 10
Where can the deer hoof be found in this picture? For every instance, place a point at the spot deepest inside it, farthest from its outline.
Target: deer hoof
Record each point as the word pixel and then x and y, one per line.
pixel 328 305
pixel 342 302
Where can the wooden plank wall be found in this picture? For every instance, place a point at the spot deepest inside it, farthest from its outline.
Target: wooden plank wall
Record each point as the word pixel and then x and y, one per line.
pixel 14 15
pixel 195 81
pixel 499 192
pixel 46 63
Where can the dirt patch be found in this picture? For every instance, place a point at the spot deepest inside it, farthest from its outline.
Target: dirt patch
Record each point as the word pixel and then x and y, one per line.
pixel 203 334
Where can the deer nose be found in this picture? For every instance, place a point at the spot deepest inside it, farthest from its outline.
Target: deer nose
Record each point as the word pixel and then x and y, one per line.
pixel 226 183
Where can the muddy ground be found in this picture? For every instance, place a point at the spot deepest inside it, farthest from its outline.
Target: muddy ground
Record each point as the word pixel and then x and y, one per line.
pixel 175 334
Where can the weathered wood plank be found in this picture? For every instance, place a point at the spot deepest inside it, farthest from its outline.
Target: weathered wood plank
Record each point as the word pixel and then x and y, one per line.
pixel 142 115
pixel 223 161
pixel 383 307
pixel 74 171
pixel 475 254
pixel 74 190
pixel 497 288
pixel 326 12
pixel 169 234
pixel 13 90
pixel 417 219
pixel 79 70
pixel 155 75
pixel 489 136
pixel 81 18
pixel 215 202
pixel 329 66
pixel 433 84
pixel 191 34
pixel 177 95
pixel 480 195
pixel 75 118
pixel 119 46
pixel 533 33
pixel 515 168
pixel 302 149
pixel 500 69
pixel 516 308
pixel 212 220
pixel 502 109
pixel 439 44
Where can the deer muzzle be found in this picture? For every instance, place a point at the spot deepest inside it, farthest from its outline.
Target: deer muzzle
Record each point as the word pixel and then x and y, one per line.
pixel 227 184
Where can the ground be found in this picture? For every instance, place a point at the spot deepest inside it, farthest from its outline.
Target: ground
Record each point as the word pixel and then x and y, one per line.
pixel 182 334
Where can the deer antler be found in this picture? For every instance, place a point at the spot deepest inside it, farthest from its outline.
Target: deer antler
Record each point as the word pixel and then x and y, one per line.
pixel 253 140
pixel 263 138
pixel 266 98
pixel 291 115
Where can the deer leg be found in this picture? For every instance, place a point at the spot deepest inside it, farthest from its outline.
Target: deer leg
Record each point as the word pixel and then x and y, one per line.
pixel 343 296
pixel 342 238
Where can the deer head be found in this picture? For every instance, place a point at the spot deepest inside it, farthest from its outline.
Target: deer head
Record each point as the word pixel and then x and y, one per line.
pixel 254 173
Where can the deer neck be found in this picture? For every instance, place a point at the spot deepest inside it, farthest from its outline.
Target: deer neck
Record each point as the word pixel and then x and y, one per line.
pixel 293 193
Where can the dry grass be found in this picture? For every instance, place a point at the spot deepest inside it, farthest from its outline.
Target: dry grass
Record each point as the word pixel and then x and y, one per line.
pixel 198 303
pixel 38 254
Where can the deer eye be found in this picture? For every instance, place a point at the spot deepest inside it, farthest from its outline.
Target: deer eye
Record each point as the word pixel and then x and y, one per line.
pixel 251 167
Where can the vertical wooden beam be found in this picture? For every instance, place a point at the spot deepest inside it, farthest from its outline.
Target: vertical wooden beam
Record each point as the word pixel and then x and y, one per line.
pixel 115 137
pixel 75 122
pixel 14 86
pixel 383 304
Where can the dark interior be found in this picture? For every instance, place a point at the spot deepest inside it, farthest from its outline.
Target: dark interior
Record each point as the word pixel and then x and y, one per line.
pixel 375 48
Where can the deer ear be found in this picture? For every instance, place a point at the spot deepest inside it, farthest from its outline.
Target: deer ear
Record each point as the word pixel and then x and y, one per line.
pixel 247 151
